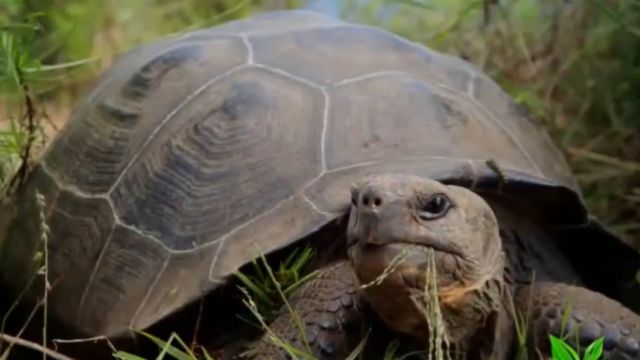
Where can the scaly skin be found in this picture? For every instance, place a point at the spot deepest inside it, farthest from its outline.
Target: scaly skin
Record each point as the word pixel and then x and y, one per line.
pixel 329 307
pixel 590 315
pixel 481 264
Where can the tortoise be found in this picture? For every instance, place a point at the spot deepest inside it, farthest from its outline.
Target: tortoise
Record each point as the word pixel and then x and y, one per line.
pixel 196 153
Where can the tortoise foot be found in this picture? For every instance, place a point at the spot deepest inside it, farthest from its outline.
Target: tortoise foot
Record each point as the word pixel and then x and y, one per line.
pixel 330 313
pixel 580 317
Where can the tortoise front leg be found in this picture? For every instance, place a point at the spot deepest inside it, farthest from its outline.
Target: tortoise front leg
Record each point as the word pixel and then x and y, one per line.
pixel 590 316
pixel 331 315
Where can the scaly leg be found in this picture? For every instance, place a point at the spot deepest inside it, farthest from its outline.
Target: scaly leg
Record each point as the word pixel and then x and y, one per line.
pixel 590 316
pixel 329 308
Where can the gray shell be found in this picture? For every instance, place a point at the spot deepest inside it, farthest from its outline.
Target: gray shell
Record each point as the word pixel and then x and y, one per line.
pixel 196 152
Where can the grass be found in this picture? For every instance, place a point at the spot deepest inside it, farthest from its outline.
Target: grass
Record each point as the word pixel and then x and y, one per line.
pixel 167 348
pixel 272 336
pixel 428 302
pixel 16 141
pixel 268 287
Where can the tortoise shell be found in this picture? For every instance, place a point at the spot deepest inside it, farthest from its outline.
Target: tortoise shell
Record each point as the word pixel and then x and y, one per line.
pixel 195 153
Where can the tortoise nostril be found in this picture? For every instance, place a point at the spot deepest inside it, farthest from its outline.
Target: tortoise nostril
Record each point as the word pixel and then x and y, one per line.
pixel 371 200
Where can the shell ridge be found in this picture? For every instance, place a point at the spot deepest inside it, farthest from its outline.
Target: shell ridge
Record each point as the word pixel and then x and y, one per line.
pixel 325 125
pixel 151 288
pixel 85 291
pixel 247 43
pixel 222 239
pixel 316 208
pixel 288 75
pixel 419 47
pixel 166 120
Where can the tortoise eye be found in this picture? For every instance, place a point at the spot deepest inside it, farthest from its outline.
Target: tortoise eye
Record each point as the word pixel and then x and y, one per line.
pixel 434 207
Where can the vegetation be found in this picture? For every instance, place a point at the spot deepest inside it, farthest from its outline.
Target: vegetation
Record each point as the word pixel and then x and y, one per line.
pixel 268 288
pixel 573 64
pixel 560 350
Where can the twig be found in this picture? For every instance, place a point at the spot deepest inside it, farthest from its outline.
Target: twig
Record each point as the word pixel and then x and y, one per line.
pixel 31 129
pixel 22 329
pixel 34 346
pixel 196 328
pixel 45 269
pixel 49 121
pixel 626 165
pixel 30 115
pixel 84 340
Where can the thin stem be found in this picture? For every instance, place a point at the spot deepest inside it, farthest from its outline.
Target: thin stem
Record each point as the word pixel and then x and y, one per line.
pixel 34 346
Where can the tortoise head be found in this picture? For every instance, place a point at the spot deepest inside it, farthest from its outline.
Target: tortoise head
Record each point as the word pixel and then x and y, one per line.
pixel 394 221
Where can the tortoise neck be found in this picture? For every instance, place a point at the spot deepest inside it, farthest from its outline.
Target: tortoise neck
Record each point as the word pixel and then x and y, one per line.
pixel 470 319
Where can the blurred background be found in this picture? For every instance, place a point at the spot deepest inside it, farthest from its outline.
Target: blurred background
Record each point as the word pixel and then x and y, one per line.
pixel 573 64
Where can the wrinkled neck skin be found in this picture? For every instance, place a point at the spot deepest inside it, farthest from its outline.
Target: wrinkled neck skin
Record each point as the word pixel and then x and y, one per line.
pixel 474 303
pixel 479 320
pixel 473 308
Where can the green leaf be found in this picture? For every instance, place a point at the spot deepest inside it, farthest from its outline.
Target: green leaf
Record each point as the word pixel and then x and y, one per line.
pixel 255 289
pixel 594 351
pixel 560 350
pixel 206 355
pixel 390 351
pixel 357 352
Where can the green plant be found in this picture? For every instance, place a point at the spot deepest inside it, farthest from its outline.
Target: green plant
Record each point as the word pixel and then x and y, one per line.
pixel 560 350
pixel 179 352
pixel 265 285
pixel 18 70
pixel 272 336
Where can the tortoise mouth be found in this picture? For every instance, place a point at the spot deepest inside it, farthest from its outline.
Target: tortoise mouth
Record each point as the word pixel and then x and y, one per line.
pixel 410 260
pixel 438 247
pixel 448 267
pixel 427 244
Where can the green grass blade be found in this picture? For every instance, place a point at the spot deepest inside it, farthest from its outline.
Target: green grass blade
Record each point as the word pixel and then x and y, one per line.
pixel 300 282
pixel 255 289
pixel 390 351
pixel 206 355
pixel 358 349
pixel 296 318
pixel 168 348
